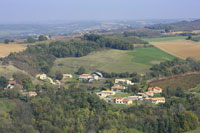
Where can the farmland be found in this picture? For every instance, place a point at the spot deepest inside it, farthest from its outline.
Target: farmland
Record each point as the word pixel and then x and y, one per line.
pixel 6 49
pixel 139 60
pixel 180 48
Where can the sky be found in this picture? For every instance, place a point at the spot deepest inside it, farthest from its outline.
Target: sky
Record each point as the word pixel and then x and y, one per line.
pixel 75 10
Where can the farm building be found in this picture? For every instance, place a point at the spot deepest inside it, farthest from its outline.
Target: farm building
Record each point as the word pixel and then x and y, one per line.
pixel 67 76
pixel 123 81
pixel 84 77
pixel 118 87
pixel 41 76
pixel 29 94
pixel 106 93
pixel 11 84
pixel 121 100
pixel 156 100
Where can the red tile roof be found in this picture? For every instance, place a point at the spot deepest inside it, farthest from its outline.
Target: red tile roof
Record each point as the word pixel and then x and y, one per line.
pixel 11 82
pixel 158 88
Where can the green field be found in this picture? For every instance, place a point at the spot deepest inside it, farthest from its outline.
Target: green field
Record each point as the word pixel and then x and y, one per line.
pixel 139 60
pixel 194 131
pixel 163 39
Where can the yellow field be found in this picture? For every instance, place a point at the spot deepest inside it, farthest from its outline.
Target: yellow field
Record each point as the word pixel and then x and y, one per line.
pixel 6 49
pixel 180 48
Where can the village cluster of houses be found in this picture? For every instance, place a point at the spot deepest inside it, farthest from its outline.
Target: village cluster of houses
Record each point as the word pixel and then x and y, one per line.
pixel 118 88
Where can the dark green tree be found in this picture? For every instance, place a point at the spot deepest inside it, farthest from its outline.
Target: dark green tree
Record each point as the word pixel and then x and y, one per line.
pixel 81 70
pixel 42 38
pixel 3 82
pixel 59 75
pixel 27 84
pixel 6 41
pixel 31 40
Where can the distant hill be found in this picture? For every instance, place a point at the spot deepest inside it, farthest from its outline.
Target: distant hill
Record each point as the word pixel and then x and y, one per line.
pixel 177 26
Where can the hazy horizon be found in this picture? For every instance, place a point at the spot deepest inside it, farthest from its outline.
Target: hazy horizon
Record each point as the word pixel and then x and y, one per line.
pixel 12 11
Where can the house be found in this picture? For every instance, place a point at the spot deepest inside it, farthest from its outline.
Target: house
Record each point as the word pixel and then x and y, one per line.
pixel 127 101
pixel 11 84
pixel 29 94
pixel 123 81
pixel 118 87
pixel 67 76
pixel 155 89
pixel 106 93
pixel 84 77
pixel 121 100
pixel 156 100
pixel 41 76
pixel 149 94
pixel 133 97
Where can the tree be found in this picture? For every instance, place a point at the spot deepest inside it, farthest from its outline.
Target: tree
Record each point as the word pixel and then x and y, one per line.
pixel 6 41
pixel 81 70
pixel 189 37
pixel 31 40
pixel 27 84
pixel 3 82
pixel 42 38
pixel 59 75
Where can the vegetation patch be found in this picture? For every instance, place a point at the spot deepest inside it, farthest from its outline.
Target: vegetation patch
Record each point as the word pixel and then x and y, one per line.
pixel 184 82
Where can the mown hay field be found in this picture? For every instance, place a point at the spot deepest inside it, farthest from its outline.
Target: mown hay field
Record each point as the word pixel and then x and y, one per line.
pixel 180 48
pixel 6 49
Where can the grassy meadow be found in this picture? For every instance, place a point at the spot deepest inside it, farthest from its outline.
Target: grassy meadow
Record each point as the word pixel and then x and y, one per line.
pixel 139 60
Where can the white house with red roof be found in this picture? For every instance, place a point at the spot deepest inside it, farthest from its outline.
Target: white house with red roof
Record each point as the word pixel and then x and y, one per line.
pixel 155 89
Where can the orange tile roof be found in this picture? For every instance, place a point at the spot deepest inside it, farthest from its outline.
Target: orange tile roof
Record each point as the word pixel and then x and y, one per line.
pixel 107 91
pixel 126 100
pixel 158 98
pixel 11 82
pixel 150 89
pixel 84 75
pixel 158 88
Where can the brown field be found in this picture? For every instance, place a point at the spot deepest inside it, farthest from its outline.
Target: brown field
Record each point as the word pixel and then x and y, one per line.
pixel 6 49
pixel 180 48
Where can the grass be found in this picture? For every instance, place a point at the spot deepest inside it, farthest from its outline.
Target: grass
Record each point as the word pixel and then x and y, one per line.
pixel 8 70
pixel 194 131
pixel 164 39
pixel 139 60
pixel 149 56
